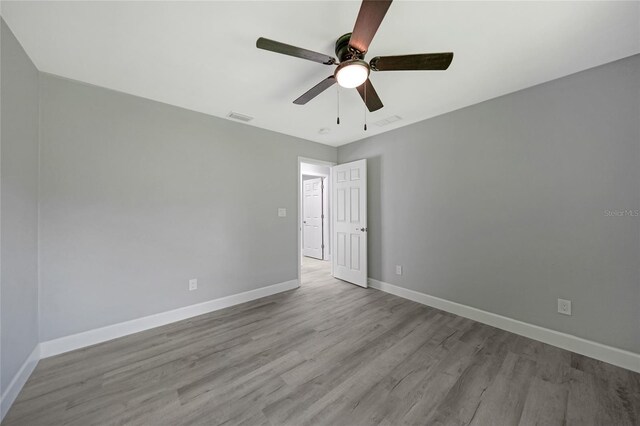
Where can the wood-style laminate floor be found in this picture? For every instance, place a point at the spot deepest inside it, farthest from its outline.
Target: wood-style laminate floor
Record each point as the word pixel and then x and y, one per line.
pixel 327 353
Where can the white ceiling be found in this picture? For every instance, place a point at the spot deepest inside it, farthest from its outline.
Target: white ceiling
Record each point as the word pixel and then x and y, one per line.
pixel 202 55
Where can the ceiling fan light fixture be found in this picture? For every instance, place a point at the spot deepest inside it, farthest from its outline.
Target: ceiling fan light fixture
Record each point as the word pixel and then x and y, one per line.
pixel 352 73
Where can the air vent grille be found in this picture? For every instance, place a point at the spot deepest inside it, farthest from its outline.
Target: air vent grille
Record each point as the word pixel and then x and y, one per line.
pixel 239 117
pixel 388 120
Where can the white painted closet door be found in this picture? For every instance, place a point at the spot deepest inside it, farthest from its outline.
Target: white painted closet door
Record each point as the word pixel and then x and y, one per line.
pixel 349 219
pixel 312 218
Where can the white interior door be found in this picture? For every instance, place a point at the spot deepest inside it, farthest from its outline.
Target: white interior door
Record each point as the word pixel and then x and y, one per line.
pixel 349 219
pixel 312 218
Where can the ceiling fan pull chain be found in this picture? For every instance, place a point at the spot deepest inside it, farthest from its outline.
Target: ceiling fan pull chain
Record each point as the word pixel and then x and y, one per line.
pixel 338 92
pixel 365 106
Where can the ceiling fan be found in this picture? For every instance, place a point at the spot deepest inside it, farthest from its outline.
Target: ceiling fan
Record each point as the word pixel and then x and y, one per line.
pixel 352 71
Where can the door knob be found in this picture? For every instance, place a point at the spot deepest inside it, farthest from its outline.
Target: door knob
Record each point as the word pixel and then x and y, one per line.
pixel 363 229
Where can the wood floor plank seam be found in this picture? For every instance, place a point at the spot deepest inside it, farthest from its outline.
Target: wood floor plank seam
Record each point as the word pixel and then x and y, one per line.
pixel 328 353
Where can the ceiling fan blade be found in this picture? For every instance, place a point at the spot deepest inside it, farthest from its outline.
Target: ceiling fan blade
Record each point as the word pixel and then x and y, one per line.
pixel 372 99
pixel 298 52
pixel 315 90
pixel 424 62
pixel 369 18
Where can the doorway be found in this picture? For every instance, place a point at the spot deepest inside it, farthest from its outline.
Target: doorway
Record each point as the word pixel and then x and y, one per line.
pixel 313 215
pixel 314 219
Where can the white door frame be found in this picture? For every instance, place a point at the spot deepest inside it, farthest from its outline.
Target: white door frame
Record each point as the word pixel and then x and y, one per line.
pixel 299 224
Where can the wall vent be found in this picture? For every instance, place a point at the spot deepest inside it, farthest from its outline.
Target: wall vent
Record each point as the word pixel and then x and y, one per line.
pixel 388 120
pixel 239 117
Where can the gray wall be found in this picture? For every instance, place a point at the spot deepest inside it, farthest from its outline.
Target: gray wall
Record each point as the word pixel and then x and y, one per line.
pixel 137 197
pixel 19 207
pixel 501 206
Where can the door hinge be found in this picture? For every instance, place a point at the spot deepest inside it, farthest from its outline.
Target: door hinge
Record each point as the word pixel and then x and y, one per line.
pixel 322 216
pixel 322 246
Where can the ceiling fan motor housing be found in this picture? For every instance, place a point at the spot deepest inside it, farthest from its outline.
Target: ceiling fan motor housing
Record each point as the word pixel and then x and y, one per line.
pixel 343 52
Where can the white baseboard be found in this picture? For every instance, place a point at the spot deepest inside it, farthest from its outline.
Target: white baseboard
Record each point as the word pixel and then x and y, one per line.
pixel 11 393
pixel 615 356
pixel 99 335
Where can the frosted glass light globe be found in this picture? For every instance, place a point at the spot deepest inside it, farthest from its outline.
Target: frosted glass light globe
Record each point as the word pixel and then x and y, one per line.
pixel 352 73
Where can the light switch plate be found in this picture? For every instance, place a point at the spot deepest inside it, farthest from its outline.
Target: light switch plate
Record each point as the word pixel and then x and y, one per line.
pixel 282 212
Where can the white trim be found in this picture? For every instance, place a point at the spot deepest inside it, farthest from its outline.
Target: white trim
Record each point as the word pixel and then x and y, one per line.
pixel 615 356
pixel 98 335
pixel 11 393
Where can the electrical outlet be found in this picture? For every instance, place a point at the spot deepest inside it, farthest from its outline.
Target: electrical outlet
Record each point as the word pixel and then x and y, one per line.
pixel 282 212
pixel 564 306
pixel 193 284
pixel 398 269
